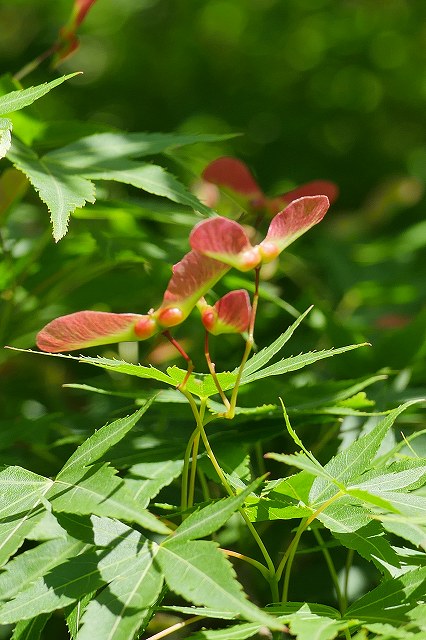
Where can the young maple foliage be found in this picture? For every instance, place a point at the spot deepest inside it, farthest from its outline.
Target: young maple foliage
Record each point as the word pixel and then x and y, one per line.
pixel 217 245
pixel 233 174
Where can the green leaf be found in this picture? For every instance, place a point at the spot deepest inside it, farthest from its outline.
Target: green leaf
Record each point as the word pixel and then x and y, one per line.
pixel 203 522
pixel 302 461
pixel 349 464
pixel 202 385
pixel 316 629
pixel 282 499
pixel 100 442
pixel 98 149
pixel 73 619
pixel 150 178
pixel 32 564
pixel 5 137
pixel 209 579
pixel 297 362
pixel 61 586
pixel 30 629
pixel 97 490
pixel 392 601
pixel 411 531
pixel 234 632
pixel 370 542
pixel 24 97
pixel 22 494
pixel 393 479
pixel 120 366
pixel 261 358
pixel 61 191
pixel 146 479
pixel 124 605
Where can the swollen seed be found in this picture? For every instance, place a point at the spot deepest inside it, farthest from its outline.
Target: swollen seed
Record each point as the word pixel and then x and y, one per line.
pixel 249 259
pixel 268 250
pixel 209 317
pixel 170 317
pixel 145 327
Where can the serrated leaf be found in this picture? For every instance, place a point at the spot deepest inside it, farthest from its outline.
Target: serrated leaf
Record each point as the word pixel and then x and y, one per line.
pixel 62 586
pixel 24 97
pixel 5 136
pixel 146 479
pixel 297 362
pixel 97 490
pixel 392 600
pixel 120 366
pixel 32 564
pixel 316 629
pixel 149 177
pixel 393 479
pixel 92 151
pixel 369 541
pixel 234 632
pixel 411 531
pixel 302 461
pixel 282 499
pixel 203 522
pixel 101 441
pixel 121 608
pixel 30 629
pixel 349 464
pixel 22 495
pixel 202 385
pixel 61 191
pixel 261 358
pixel 209 579
pixel 73 618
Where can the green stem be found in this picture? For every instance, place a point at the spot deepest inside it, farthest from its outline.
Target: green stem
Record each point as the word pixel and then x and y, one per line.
pixel 175 627
pixel 194 458
pixel 249 344
pixel 204 485
pixel 271 568
pixel 288 558
pixel 185 470
pixel 348 565
pixel 304 524
pixel 331 569
pixel 213 374
pixel 263 570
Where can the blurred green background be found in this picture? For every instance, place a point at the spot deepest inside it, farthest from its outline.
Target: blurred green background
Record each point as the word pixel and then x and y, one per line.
pixel 317 88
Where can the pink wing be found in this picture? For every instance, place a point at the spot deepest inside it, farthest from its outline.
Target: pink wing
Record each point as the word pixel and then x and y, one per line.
pixel 90 328
pixel 295 220
pixel 224 240
pixel 234 174
pixel 230 314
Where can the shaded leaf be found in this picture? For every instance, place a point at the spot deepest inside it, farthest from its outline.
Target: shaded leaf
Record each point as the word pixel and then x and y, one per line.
pixel 97 490
pixel 101 441
pixel 392 601
pixel 62 192
pixel 207 520
pixel 22 495
pixel 209 579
